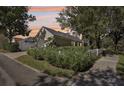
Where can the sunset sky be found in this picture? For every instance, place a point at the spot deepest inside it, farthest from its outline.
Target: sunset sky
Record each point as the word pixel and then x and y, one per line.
pixel 45 16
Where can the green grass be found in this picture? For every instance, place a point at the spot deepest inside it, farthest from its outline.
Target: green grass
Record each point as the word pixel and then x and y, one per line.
pixel 3 51
pixel 45 66
pixel 120 65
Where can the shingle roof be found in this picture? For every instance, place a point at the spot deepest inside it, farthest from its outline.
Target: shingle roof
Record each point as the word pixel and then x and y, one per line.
pixel 65 35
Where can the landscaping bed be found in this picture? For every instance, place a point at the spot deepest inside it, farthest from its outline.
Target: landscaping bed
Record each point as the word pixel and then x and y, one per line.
pixel 45 66
pixel 73 58
pixel 120 65
pixel 59 61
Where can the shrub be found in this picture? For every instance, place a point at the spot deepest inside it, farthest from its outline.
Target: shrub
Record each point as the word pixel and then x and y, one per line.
pixel 120 65
pixel 6 46
pixel 14 47
pixel 37 53
pixel 113 51
pixel 74 58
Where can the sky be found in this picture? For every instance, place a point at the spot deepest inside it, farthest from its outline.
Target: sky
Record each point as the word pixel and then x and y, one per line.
pixel 45 16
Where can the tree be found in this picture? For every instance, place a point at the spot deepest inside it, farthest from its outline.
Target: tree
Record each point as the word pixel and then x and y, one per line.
pixel 14 20
pixel 116 24
pixel 95 23
pixel 88 21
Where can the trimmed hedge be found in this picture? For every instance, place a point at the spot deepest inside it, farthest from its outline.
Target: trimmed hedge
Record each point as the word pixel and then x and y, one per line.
pixel 74 58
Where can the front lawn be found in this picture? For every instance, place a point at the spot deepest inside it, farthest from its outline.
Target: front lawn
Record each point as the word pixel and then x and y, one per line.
pixel 120 65
pixel 3 51
pixel 45 66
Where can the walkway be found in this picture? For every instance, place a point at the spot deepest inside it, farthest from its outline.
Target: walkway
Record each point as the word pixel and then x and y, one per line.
pixel 104 63
pixel 103 73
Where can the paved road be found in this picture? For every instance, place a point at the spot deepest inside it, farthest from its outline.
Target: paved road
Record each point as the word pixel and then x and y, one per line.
pixel 21 74
pixel 15 54
pixel 5 79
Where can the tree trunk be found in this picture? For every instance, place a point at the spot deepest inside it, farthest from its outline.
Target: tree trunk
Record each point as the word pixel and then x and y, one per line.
pixel 115 45
pixel 98 42
pixel 91 43
pixel 10 39
pixel 10 36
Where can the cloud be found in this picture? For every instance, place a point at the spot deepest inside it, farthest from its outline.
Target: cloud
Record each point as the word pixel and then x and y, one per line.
pixel 46 9
pixel 45 20
pixel 46 17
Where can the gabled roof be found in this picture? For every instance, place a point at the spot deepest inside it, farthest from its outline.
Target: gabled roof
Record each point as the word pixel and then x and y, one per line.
pixel 34 33
pixel 64 35
pixel 20 37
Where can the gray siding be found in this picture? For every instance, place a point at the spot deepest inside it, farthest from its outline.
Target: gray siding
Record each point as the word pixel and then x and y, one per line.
pixel 25 45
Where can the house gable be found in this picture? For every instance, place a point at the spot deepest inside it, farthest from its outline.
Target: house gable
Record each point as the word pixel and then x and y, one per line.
pixel 48 34
pixel 64 35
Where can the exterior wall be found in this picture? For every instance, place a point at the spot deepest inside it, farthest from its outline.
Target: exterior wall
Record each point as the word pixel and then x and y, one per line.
pixel 25 45
pixel 42 37
pixel 59 41
pixel 39 40
pixel 47 35
pixel 40 43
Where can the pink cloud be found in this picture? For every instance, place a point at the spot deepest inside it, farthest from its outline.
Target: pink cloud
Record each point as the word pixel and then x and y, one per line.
pixel 46 9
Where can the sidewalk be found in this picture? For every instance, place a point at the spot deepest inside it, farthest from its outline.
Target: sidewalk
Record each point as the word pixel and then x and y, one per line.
pixel 104 63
